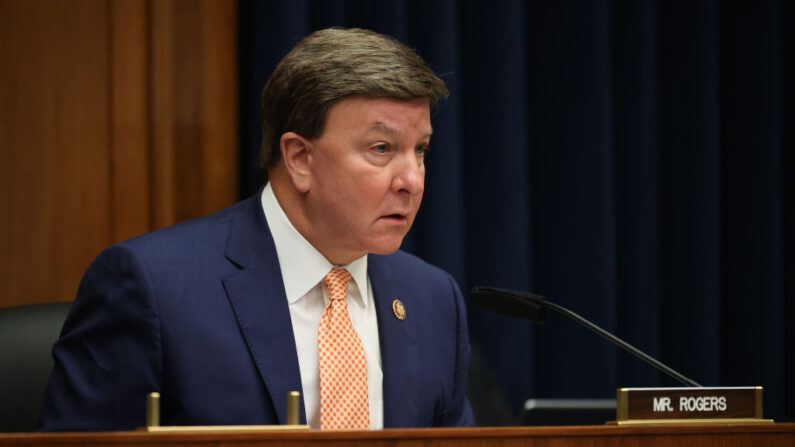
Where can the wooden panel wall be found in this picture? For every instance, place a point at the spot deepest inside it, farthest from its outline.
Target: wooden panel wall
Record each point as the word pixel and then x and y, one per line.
pixel 117 117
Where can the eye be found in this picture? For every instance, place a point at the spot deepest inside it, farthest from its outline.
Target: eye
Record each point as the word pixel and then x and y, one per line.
pixel 422 150
pixel 382 148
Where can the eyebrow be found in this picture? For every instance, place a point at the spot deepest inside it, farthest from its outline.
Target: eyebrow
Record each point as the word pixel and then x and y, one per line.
pixel 382 127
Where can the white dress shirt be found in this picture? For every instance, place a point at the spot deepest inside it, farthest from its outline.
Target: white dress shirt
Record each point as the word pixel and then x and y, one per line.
pixel 303 269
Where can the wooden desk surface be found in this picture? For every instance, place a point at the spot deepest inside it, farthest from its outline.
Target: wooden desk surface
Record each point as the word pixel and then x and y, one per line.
pixel 570 436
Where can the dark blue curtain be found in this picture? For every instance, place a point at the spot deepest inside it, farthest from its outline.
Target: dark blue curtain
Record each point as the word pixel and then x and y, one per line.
pixel 630 160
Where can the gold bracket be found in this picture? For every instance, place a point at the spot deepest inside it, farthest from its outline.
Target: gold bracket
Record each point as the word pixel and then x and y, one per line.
pixel 153 419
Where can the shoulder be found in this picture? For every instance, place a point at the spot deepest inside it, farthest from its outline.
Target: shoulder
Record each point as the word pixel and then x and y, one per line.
pixel 191 238
pixel 193 229
pixel 186 250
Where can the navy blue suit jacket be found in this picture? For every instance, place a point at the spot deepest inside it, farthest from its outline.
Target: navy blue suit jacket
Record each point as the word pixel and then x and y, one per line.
pixel 198 313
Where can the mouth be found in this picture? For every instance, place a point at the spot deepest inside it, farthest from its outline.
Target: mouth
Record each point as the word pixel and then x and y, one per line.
pixel 396 218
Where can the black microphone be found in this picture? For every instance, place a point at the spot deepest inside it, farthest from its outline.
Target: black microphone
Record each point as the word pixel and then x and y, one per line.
pixel 533 307
pixel 514 304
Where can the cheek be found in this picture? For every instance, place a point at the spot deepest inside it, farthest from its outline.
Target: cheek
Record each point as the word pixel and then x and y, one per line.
pixel 371 187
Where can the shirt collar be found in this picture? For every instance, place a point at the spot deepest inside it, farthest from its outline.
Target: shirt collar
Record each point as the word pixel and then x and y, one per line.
pixel 302 266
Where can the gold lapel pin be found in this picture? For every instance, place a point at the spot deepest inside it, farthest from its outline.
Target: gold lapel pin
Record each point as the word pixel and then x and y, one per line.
pixel 399 309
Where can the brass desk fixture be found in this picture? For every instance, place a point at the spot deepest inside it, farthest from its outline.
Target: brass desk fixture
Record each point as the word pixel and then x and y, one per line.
pixel 153 419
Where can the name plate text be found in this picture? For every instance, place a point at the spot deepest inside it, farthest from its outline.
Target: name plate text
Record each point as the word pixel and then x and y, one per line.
pixel 689 405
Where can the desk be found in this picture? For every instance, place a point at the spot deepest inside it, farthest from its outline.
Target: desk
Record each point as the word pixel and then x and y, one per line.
pixel 773 435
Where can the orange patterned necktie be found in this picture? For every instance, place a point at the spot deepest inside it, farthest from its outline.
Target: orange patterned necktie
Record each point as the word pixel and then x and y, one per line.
pixel 343 371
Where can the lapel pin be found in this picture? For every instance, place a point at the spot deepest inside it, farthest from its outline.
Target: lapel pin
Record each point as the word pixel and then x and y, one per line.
pixel 399 310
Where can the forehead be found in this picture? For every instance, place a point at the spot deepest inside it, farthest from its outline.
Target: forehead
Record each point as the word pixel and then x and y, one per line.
pixel 380 115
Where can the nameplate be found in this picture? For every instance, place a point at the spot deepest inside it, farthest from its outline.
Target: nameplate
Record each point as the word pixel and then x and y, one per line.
pixel 646 406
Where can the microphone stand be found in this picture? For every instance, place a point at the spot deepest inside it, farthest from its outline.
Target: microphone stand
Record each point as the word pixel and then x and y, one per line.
pixel 484 296
pixel 622 344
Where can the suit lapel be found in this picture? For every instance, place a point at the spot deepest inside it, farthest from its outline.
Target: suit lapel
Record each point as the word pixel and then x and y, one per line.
pixel 257 296
pixel 399 349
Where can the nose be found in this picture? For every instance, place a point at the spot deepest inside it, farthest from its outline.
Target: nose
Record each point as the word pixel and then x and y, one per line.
pixel 409 176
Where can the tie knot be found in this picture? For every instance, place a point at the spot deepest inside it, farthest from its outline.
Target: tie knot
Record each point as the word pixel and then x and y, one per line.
pixel 337 283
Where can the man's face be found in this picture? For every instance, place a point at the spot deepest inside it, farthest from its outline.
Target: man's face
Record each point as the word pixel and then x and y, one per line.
pixel 367 176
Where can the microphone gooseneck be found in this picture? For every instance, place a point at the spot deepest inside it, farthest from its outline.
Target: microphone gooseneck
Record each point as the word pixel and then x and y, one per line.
pixel 532 307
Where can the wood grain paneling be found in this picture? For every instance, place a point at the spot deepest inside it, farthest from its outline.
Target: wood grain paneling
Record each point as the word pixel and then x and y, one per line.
pixel 205 105
pixel 116 117
pixel 129 115
pixel 162 71
pixel 220 105
pixel 54 103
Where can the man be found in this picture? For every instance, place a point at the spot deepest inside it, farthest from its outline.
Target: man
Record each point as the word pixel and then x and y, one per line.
pixel 301 287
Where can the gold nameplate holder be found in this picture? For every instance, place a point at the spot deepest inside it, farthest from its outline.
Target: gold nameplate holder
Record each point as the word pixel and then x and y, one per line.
pixel 677 406
pixel 153 419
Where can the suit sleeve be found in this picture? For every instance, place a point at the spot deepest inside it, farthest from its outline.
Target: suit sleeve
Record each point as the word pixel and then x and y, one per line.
pixel 459 413
pixel 108 356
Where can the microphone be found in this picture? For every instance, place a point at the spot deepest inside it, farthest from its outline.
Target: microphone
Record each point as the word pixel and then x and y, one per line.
pixel 514 304
pixel 533 307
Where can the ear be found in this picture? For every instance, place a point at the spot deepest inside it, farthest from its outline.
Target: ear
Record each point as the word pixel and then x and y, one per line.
pixel 297 156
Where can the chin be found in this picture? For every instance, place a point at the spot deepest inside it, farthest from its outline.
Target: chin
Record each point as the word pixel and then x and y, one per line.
pixel 385 247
